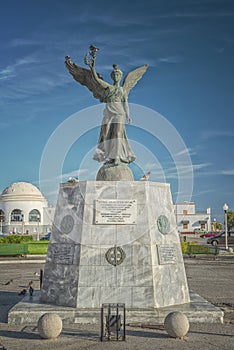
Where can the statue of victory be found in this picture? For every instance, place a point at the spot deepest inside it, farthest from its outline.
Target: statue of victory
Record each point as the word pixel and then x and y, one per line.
pixel 113 145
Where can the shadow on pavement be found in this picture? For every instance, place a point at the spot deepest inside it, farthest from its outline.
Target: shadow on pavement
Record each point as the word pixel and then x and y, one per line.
pixel 146 334
pixel 19 335
pixel 212 333
pixel 7 301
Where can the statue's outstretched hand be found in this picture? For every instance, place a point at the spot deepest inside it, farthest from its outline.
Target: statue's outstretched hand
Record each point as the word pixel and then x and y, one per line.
pixel 129 119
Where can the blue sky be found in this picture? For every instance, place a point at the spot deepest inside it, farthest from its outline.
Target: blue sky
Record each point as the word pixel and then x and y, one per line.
pixel 189 46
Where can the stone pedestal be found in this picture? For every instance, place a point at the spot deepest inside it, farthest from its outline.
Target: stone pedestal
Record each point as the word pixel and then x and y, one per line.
pixel 114 241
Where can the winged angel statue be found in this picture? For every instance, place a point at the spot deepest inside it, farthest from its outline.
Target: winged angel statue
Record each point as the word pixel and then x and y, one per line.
pixel 113 146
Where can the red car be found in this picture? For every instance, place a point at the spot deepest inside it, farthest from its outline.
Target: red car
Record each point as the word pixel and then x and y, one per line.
pixel 209 234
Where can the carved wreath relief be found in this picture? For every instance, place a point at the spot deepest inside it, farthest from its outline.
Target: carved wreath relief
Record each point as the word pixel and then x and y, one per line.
pixel 115 256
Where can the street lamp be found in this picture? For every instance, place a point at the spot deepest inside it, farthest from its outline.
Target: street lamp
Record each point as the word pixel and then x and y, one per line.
pixel 22 216
pixel 38 220
pixel 225 208
pixel 214 224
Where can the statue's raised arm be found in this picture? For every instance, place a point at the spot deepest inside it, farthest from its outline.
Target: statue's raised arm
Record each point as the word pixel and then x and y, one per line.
pixel 90 78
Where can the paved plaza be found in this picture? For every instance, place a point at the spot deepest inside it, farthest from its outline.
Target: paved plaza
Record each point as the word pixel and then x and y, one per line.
pixel 211 278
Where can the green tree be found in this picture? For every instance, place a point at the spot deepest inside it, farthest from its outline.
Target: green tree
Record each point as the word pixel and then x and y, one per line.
pixel 230 220
pixel 217 226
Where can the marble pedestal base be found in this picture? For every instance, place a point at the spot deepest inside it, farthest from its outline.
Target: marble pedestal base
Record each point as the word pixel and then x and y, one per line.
pixel 114 241
pixel 29 310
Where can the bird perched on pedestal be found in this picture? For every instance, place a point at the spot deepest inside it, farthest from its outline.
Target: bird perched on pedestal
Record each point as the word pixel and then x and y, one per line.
pixel 73 180
pixel 145 177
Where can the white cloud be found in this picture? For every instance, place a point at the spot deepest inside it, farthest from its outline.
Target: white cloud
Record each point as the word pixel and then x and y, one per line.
pixel 150 166
pixel 200 193
pixel 228 172
pixel 22 42
pixel 200 166
pixel 186 151
pixel 208 134
pixel 171 59
pixel 198 14
pixel 10 69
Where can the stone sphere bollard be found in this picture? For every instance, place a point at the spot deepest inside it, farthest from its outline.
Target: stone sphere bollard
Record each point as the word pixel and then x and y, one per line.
pixel 49 326
pixel 176 324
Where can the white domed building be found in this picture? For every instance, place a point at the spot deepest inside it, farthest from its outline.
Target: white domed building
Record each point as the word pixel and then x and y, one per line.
pixel 23 209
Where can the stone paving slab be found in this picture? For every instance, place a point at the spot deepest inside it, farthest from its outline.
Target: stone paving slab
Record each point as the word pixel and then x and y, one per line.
pixel 209 277
pixel 82 337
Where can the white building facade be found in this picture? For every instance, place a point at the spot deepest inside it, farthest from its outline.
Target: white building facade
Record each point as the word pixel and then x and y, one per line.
pixel 188 220
pixel 24 210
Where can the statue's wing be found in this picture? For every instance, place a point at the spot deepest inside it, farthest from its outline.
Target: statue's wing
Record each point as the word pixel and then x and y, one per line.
pixel 85 77
pixel 132 77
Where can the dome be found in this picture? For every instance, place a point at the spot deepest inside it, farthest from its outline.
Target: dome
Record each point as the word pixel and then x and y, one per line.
pixel 22 191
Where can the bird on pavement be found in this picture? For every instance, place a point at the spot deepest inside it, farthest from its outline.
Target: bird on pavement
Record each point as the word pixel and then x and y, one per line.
pixel 145 177
pixel 30 284
pixel 31 290
pixel 9 282
pixel 23 292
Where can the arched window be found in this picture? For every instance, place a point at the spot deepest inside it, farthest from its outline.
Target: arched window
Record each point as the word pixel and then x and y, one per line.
pixel 17 215
pixel 2 216
pixel 34 216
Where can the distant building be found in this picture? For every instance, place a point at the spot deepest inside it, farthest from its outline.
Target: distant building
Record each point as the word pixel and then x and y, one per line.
pixel 24 210
pixel 188 220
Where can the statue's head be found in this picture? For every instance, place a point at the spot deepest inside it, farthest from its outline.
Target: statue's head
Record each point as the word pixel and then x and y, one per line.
pixel 116 74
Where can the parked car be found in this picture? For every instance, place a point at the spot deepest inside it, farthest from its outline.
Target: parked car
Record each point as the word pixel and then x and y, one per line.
pixel 209 234
pixel 46 237
pixel 200 230
pixel 220 239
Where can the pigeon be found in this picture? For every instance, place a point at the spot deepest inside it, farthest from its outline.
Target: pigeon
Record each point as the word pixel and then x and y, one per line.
pixel 31 290
pixel 73 180
pixel 145 177
pixel 93 49
pixel 99 155
pixel 9 282
pixel 30 284
pixel 23 292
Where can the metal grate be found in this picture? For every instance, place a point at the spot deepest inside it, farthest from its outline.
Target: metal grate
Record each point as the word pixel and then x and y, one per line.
pixel 113 322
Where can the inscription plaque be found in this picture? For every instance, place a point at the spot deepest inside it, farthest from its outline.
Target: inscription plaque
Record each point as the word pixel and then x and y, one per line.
pixel 61 253
pixel 116 211
pixel 167 254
